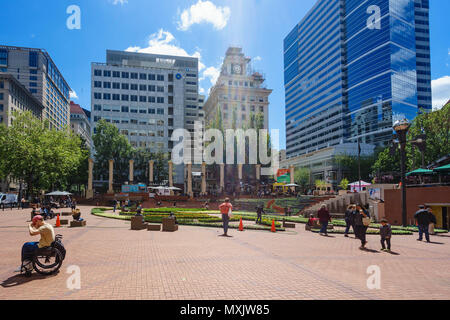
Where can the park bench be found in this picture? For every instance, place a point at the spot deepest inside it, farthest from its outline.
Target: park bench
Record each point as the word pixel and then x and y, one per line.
pixel 169 225
pixel 137 223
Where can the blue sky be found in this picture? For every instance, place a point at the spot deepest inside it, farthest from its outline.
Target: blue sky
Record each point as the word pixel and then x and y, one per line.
pixel 194 27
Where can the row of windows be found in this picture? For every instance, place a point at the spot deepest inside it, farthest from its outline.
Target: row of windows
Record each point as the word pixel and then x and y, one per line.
pixel 159 111
pixel 128 86
pixel 126 97
pixel 130 75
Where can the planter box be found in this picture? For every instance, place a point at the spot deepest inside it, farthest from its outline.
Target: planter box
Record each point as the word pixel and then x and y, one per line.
pixel 64 222
pixel 76 224
pixel 168 225
pixel 137 223
pixel 66 214
pixel 289 225
pixel 154 227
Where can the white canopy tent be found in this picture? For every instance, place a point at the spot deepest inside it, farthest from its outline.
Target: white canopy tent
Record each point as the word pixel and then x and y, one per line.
pixel 354 186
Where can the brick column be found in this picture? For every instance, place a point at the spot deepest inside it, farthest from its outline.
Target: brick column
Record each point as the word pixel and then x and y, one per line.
pixel 111 173
pixel 189 180
pixel 203 178
pixel 222 177
pixel 90 189
pixel 131 174
pixel 150 171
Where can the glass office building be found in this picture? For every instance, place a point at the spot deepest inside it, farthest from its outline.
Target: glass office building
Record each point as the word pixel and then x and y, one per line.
pixel 350 67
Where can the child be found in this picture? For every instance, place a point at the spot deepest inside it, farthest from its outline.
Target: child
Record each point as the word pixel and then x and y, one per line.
pixel 385 233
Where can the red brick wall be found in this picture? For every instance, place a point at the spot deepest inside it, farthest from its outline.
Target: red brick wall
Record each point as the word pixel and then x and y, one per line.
pixel 414 198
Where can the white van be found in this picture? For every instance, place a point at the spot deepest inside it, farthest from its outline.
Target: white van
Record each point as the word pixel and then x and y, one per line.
pixel 8 199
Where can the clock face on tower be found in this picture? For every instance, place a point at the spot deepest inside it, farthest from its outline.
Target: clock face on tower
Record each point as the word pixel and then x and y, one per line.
pixel 237 69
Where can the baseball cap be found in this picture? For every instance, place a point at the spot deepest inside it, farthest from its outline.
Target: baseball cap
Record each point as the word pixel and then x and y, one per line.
pixel 37 218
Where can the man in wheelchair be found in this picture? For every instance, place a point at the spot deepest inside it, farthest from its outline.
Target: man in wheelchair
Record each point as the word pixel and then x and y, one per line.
pixel 32 250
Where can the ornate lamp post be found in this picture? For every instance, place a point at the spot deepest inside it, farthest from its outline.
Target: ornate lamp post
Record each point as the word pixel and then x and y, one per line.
pixel 401 127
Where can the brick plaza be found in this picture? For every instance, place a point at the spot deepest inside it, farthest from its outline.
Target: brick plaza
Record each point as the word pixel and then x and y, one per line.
pixel 195 263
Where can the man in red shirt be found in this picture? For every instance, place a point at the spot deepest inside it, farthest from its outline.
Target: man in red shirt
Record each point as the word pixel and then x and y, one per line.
pixel 226 209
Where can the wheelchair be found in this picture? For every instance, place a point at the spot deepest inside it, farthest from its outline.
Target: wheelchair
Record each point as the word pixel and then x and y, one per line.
pixel 45 261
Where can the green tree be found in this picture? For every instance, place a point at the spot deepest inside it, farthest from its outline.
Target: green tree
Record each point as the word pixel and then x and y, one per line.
pixel 32 153
pixel 302 177
pixel 436 126
pixel 111 145
pixel 344 184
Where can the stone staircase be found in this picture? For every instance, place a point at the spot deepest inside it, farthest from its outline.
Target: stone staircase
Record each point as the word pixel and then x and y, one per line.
pixel 337 205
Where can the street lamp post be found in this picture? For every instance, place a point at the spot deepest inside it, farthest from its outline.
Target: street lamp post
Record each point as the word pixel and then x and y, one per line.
pixel 401 127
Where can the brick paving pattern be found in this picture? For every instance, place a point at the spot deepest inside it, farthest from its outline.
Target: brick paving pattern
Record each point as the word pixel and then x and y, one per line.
pixel 195 263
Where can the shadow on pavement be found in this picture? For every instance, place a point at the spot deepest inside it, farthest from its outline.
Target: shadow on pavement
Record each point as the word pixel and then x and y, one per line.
pixel 20 279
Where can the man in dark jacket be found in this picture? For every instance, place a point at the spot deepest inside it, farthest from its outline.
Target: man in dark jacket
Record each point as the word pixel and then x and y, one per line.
pixel 349 219
pixel 423 220
pixel 259 212
pixel 324 218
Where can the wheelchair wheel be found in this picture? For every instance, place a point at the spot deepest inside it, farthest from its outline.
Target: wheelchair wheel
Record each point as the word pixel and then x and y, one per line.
pixel 48 264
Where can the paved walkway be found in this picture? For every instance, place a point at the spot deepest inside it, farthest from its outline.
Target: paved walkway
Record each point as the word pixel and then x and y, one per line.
pixel 195 263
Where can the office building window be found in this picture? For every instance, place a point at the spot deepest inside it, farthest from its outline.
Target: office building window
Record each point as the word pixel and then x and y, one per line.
pixel 134 111
pixel 134 86
pixel 1 108
pixel 151 99
pixel 33 78
pixel 143 87
pixel 143 111
pixel 160 77
pixel 116 97
pixel 133 98
pixel 106 73
pixel 33 90
pixel 142 99
pixel 160 100
pixel 124 109
pixel 107 85
pixel 3 57
pixel 151 111
pixel 96 95
pixel 152 88
pixel 160 89
pixel 116 85
pixel 125 75
pixel 151 77
pixel 97 84
pixel 116 74
pixel 143 76
pixel 160 111
pixel 125 97
pixel 2 85
pixel 134 75
pixel 33 71
pixel 125 86
pixel 106 96
pixel 97 73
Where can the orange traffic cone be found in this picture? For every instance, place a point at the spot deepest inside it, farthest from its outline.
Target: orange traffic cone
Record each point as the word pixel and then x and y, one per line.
pixel 273 226
pixel 241 226
pixel 58 223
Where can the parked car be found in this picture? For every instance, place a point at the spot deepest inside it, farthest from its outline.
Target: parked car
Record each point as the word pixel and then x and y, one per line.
pixel 8 199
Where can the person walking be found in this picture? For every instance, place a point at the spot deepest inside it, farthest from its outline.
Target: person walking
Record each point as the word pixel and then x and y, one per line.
pixel 433 221
pixel 362 221
pixel 385 234
pixel 324 218
pixel 226 210
pixel 423 219
pixel 349 219
pixel 259 213
pixel 114 205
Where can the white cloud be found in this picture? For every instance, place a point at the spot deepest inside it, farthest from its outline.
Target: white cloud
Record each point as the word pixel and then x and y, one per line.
pixel 257 58
pixel 163 42
pixel 441 91
pixel 121 2
pixel 73 95
pixel 212 74
pixel 204 12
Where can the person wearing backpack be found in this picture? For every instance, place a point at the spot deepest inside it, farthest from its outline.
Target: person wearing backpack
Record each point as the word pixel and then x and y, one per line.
pixel 226 210
pixel 362 222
